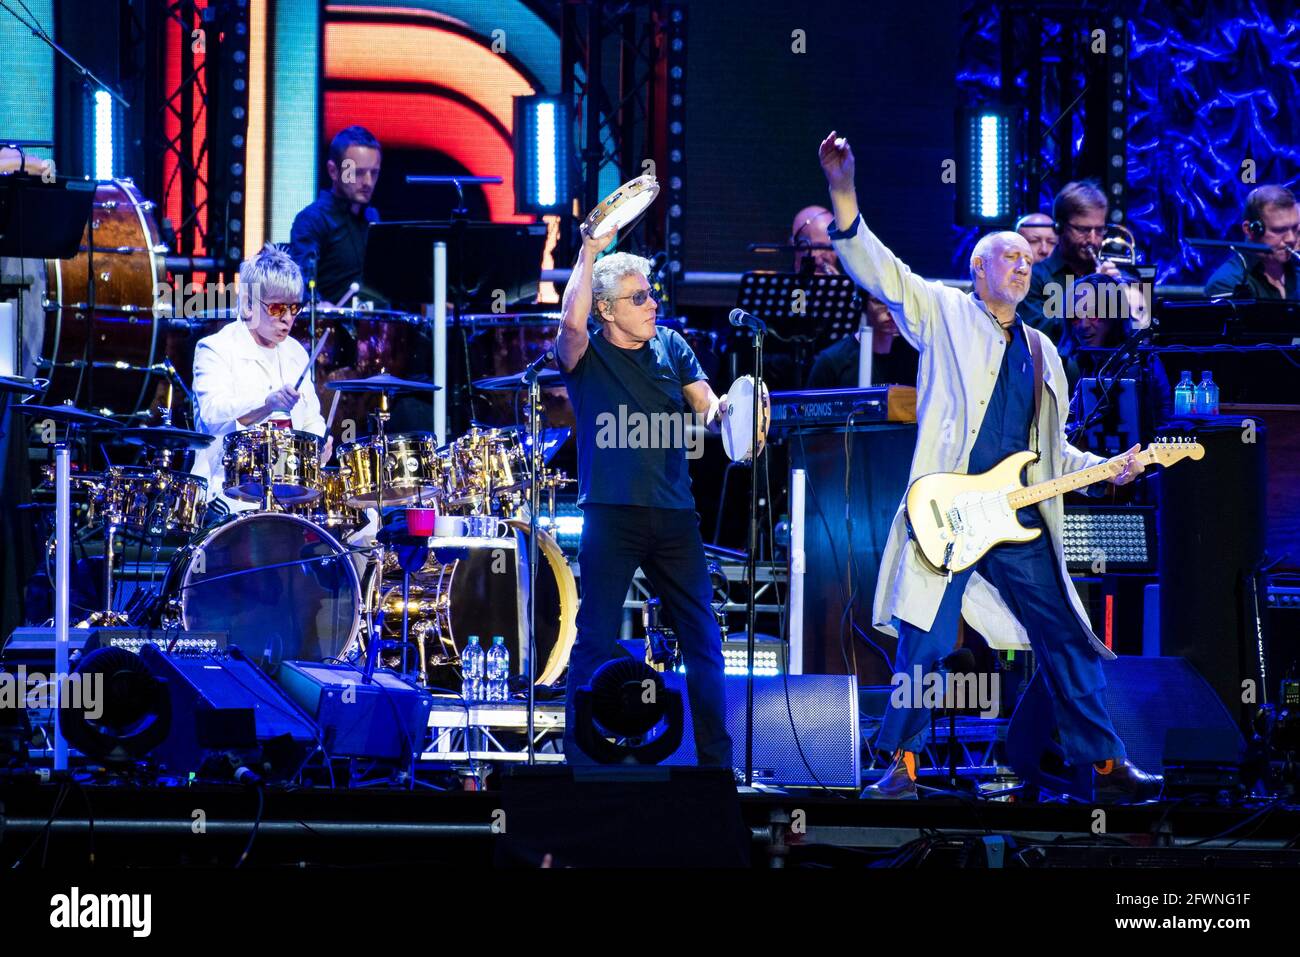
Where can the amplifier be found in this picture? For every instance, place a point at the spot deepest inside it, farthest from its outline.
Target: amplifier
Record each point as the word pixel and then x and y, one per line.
pixel 34 647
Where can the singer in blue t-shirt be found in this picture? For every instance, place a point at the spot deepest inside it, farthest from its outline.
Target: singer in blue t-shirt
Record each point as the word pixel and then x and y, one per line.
pixel 642 402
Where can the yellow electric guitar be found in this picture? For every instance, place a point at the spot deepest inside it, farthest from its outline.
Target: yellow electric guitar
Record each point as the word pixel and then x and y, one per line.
pixel 954 519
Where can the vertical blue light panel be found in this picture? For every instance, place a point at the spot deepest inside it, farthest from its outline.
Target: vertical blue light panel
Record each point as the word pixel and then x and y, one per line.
pixel 295 123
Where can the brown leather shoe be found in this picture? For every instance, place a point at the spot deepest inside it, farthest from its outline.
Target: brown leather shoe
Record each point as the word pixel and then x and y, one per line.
pixel 898 783
pixel 1124 783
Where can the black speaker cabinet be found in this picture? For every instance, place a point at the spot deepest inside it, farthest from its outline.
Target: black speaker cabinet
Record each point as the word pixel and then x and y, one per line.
pixel 1147 698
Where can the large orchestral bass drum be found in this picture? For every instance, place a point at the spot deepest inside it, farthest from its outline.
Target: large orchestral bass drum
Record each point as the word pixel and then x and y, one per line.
pixel 81 346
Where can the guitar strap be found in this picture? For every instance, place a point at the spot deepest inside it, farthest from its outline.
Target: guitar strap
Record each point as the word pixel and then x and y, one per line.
pixel 1036 350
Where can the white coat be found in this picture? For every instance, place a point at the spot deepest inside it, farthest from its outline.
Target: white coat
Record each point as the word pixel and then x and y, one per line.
pixel 233 375
pixel 961 348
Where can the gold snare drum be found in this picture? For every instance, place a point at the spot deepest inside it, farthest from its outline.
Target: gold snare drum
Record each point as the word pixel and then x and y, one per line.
pixel 293 458
pixel 412 471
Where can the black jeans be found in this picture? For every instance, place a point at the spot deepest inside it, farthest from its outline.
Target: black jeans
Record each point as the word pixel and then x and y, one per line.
pixel 666 545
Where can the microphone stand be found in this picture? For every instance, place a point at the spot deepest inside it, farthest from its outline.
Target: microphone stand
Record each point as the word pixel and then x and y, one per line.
pixel 757 330
pixel 534 506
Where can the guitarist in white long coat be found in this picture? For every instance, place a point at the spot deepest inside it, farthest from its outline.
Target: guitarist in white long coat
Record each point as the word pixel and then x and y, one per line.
pixel 975 405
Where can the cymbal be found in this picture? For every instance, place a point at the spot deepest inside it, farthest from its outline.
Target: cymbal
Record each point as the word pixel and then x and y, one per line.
pixel 166 437
pixel 9 383
pixel 71 415
pixel 382 383
pixel 546 379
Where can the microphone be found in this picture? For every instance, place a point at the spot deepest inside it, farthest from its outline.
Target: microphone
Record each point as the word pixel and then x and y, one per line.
pixel 176 378
pixel 534 367
pixel 744 320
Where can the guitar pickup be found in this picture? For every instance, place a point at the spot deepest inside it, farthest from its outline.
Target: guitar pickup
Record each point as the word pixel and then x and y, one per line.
pixel 954 519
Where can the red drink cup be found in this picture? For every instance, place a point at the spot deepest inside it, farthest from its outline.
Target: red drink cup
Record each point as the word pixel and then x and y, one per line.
pixel 419 521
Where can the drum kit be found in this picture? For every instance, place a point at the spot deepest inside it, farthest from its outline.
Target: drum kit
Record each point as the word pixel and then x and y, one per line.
pixel 306 569
pixel 306 574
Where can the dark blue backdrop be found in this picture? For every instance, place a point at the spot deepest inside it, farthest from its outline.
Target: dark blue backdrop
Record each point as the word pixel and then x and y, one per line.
pixel 1213 83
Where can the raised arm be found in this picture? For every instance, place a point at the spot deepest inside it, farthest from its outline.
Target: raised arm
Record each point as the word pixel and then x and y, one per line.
pixel 571 340
pixel 914 302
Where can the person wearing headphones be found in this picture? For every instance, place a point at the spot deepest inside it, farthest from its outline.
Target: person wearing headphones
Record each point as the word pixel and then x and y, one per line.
pixel 1273 219
pixel 1038 231
pixel 1079 219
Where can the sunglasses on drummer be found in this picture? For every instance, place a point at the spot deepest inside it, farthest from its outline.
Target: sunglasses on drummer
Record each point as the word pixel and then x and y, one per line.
pixel 277 309
pixel 638 298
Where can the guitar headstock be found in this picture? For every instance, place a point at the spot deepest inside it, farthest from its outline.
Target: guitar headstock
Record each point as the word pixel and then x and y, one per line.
pixel 1167 453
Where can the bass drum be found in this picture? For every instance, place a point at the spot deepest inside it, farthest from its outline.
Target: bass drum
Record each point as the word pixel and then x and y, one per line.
pixel 473 593
pixel 129 263
pixel 282 587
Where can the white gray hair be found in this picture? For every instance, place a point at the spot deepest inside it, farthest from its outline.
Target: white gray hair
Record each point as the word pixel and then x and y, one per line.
pixel 607 275
pixel 270 275
pixel 985 246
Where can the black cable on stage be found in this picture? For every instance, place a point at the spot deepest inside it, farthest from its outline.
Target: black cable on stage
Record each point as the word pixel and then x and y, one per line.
pixel 257 824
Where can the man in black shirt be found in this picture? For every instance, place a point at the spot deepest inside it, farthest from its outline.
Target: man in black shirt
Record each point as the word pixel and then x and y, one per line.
pixel 639 397
pixel 328 239
pixel 1079 216
pixel 1271 218
pixel 893 360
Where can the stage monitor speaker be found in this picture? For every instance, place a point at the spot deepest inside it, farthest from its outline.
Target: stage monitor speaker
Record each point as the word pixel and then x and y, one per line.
pixel 621 816
pixel 226 704
pixel 813 740
pixel 386 718
pixel 1146 699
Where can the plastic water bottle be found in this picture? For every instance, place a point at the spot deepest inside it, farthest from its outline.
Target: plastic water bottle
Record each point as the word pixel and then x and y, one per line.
pixel 1207 395
pixel 1184 395
pixel 498 670
pixel 471 670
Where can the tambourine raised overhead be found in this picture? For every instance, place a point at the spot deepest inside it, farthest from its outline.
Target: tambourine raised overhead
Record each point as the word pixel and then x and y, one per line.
pixel 622 208
pixel 738 420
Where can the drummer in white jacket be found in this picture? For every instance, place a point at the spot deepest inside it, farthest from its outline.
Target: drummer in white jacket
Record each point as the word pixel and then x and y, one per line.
pixel 975 405
pixel 245 373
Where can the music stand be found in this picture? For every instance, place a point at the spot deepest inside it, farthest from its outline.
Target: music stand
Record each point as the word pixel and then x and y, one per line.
pixel 484 257
pixel 1115 427
pixel 1215 321
pixel 40 220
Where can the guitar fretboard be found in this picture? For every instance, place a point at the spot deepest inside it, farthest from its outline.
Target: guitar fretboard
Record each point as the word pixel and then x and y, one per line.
pixel 1034 494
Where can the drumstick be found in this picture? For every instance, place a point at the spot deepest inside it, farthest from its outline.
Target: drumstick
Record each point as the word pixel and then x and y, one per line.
pixel 312 360
pixel 352 291
pixel 334 407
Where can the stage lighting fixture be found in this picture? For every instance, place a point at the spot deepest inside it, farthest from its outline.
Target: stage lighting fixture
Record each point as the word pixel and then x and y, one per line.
pixel 985 184
pixel 542 155
pixel 134 713
pixel 103 139
pixel 628 715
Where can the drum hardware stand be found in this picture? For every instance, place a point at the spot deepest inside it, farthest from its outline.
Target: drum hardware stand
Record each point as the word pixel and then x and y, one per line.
pixel 268 488
pixel 381 416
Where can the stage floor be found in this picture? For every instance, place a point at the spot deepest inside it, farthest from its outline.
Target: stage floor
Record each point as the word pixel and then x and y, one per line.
pixel 209 827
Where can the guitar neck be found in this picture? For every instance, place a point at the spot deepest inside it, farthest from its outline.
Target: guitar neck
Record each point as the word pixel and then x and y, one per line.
pixel 1033 494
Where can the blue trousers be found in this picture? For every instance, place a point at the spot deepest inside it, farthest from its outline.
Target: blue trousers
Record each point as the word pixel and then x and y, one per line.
pixel 1027 577
pixel 666 545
